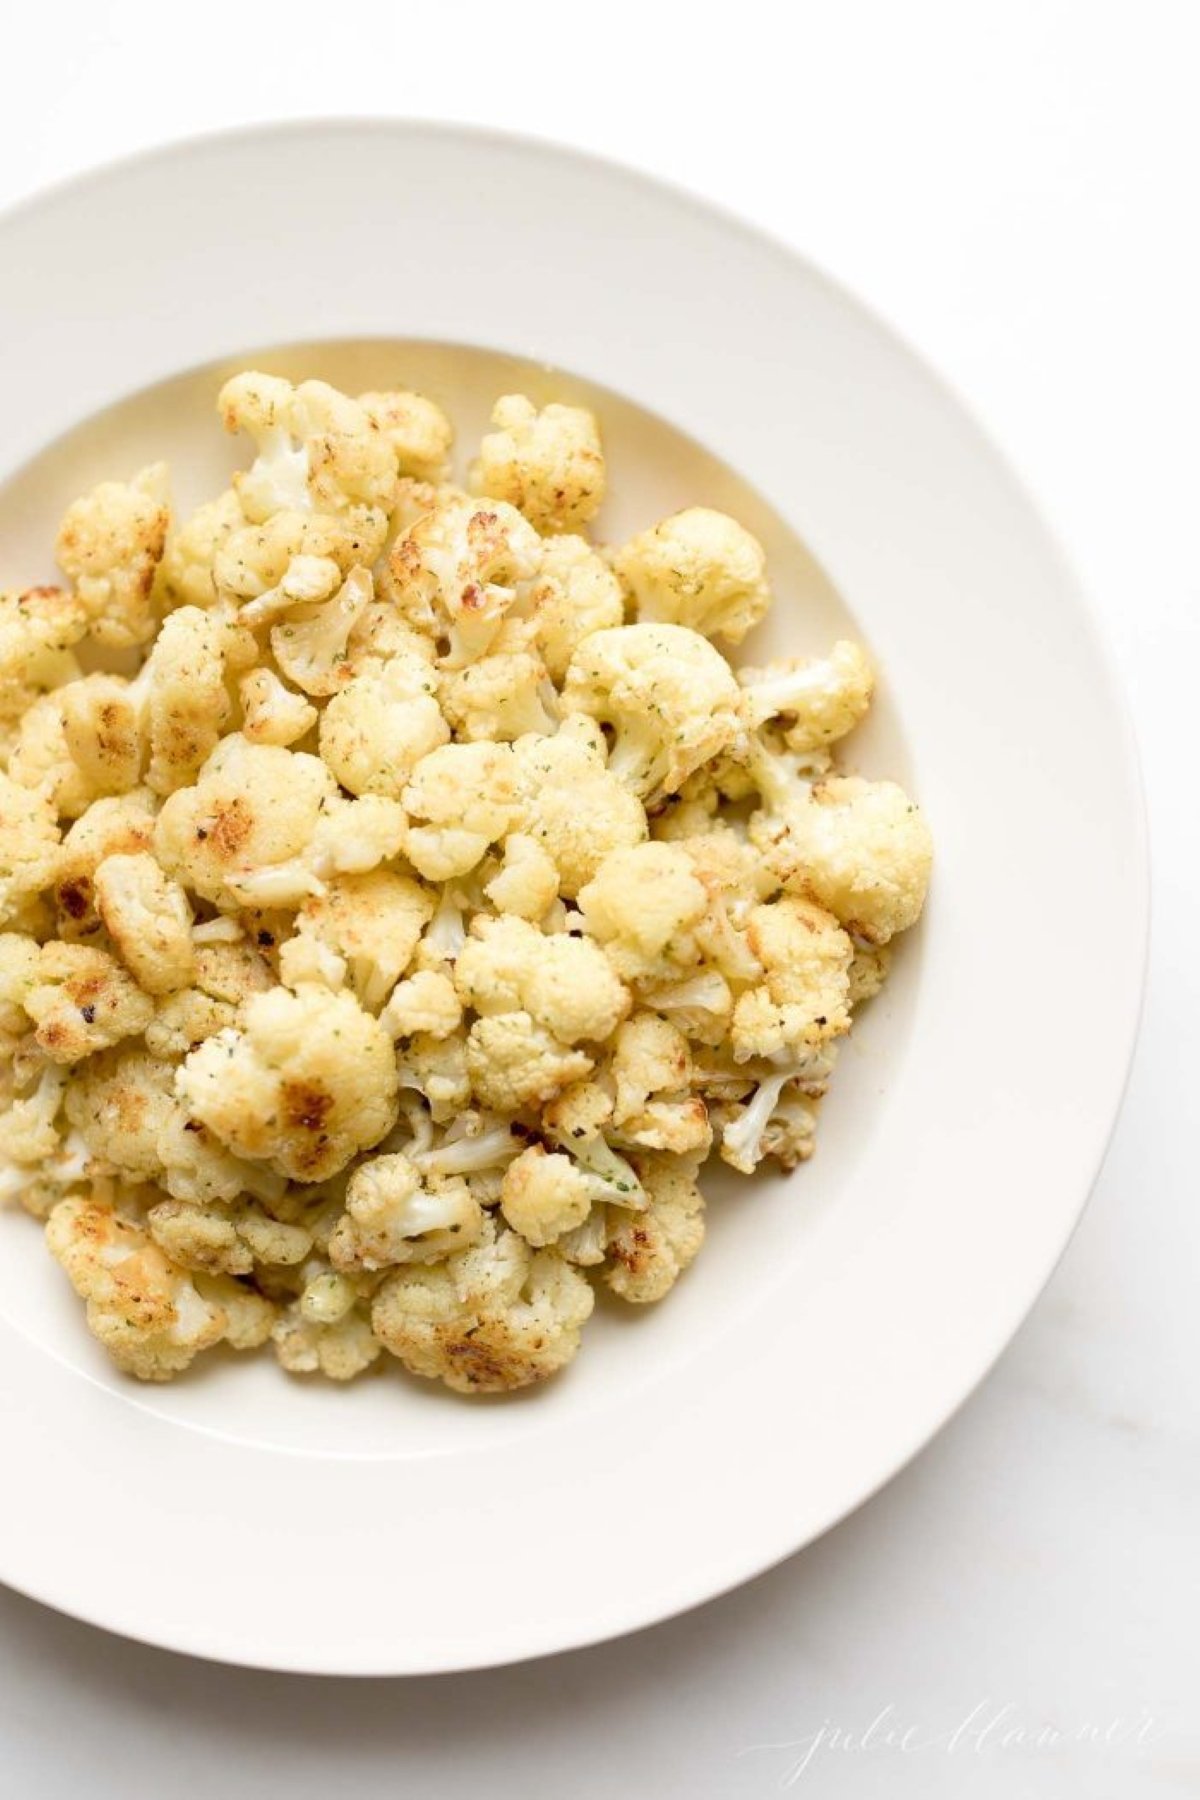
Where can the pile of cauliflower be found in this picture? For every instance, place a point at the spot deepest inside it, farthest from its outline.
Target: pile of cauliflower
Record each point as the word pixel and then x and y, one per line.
pixel 386 948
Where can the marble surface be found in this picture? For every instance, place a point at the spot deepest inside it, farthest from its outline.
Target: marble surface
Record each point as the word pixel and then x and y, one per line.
pixel 1013 186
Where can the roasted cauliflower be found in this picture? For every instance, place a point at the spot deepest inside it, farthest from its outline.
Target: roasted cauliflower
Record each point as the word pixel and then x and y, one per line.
pixel 401 895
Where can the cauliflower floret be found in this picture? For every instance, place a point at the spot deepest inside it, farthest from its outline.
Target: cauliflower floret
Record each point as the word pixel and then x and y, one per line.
pixel 187 702
pixel 254 806
pixel 565 983
pixel 41 760
pixel 648 1251
pixel 102 732
pixel 671 699
pixel 307 1082
pixel 578 1113
pixel 466 797
pixel 379 726
pixel 118 825
pixel 199 1170
pixel 29 847
pixel 28 1128
pixel 527 884
pixel 82 1000
pixel 120 1102
pixel 109 546
pixel 38 629
pixel 868 972
pixel 860 848
pixel 496 1316
pixel 416 428
pixel 254 561
pixel 425 1003
pixel 698 568
pixel 545 1194
pixel 273 714
pixel 436 1068
pixel 145 1311
pixel 573 807
pixel 500 697
pixel 651 1068
pixel 821 697
pixel 224 1240
pixel 185 575
pixel 514 1062
pixel 148 918
pixel 351 837
pixel 249 1315
pixel 778 1119
pixel 226 975
pixel 372 922
pixel 394 1215
pixel 310 645
pixel 318 450
pixel 575 593
pixel 340 1350
pixel 803 999
pixel 456 572
pixel 549 464
pixel 643 906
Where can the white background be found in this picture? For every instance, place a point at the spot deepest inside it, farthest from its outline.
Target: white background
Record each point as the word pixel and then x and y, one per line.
pixel 1015 187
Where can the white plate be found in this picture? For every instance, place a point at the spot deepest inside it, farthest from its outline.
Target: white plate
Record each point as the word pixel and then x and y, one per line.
pixel 836 1318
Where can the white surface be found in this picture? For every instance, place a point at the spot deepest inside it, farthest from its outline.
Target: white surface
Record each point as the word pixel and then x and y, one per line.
pixel 895 1268
pixel 1013 186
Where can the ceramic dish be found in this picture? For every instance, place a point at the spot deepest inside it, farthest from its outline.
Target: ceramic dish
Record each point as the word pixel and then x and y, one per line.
pixel 838 1316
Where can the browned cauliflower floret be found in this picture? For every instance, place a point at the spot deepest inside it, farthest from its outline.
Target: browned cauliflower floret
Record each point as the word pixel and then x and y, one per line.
pixel 394 1214
pixel 654 1107
pixel 118 825
pixel 82 1000
pixel 458 570
pixel 185 575
pixel 148 918
pixel 102 732
pixel 417 430
pixel 226 975
pixel 648 1251
pixel 38 628
pixel 698 568
pixel 548 464
pixel 372 924
pixel 272 713
pixel 803 1000
pixel 306 1082
pixel 819 698
pixel 496 1316
pixel 545 1194
pixel 255 560
pixel 224 1239
pixel 109 546
pixel 375 731
pixel 29 847
pixel 574 594
pixel 318 450
pixel 254 806
pixel 187 700
pixel 120 1103
pixel 860 848
pixel 670 698
pixel 145 1311
pixel 572 807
